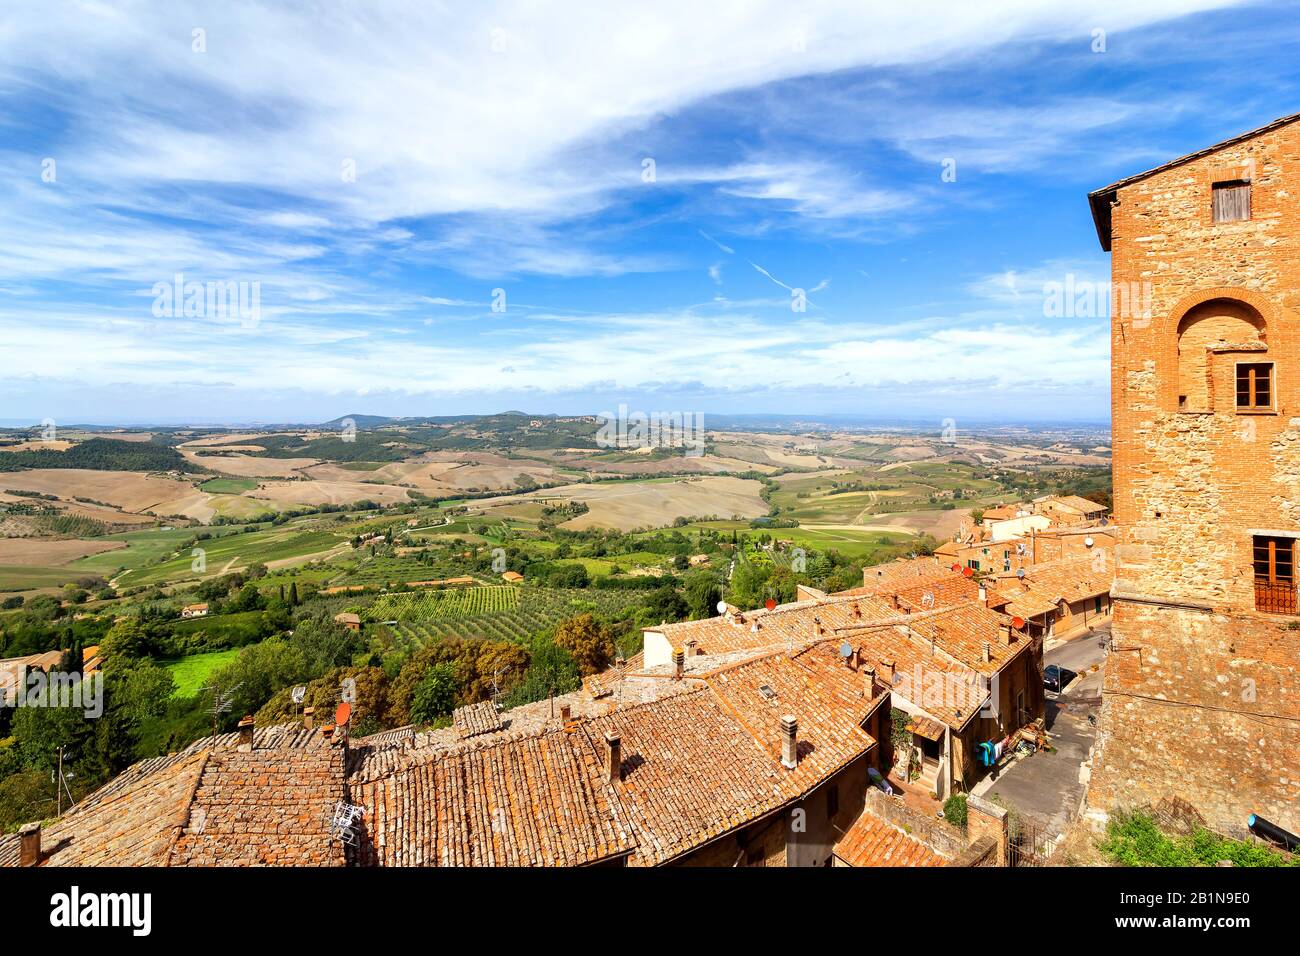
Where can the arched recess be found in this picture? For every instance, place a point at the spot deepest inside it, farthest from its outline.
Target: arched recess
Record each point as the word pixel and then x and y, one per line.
pixel 1210 318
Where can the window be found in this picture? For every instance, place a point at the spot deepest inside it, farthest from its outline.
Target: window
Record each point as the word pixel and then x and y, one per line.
pixel 1096 605
pixel 1231 201
pixel 1274 560
pixel 832 801
pixel 1255 385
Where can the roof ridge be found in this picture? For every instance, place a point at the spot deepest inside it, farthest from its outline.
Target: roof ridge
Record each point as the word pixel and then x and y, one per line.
pixel 187 806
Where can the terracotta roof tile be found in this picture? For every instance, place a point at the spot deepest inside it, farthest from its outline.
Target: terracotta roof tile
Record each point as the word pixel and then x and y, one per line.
pixel 873 842
pixel 259 809
pixel 524 800
pixel 473 719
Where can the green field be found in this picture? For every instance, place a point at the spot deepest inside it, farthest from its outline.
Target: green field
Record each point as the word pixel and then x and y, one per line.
pixel 141 548
pixel 236 550
pixel 190 673
pixel 538 609
pixel 228 486
pixel 22 577
pixel 448 603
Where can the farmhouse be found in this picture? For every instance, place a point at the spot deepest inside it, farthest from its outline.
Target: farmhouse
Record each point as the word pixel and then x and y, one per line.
pixel 512 577
pixel 349 620
pixel 194 610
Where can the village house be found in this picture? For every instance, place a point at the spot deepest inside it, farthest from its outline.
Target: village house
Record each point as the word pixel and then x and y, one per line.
pixel 952 658
pixel 349 620
pixel 194 610
pixel 1199 697
pixel 1060 599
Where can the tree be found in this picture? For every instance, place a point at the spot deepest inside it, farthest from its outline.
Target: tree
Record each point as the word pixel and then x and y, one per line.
pixel 665 604
pixel 125 639
pixel 435 695
pixel 293 593
pixel 551 670
pixel 588 640
pixel 249 598
pixel 702 592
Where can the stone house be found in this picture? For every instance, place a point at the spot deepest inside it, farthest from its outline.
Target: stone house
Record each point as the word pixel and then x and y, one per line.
pixel 1200 695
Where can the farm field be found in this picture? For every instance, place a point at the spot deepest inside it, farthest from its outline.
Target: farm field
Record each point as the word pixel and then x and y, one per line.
pixel 538 608
pixel 248 466
pixel 228 486
pixel 231 552
pixel 139 548
pixel 627 505
pixel 18 577
pixel 129 490
pixel 434 605
pixel 51 552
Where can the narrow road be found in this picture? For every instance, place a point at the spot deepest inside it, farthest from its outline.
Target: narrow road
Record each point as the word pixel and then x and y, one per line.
pixel 1046 785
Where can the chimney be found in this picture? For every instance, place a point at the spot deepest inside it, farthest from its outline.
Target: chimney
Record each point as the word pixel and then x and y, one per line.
pixel 29 844
pixel 984 594
pixel 870 682
pixel 1007 636
pixel 789 742
pixel 615 745
pixel 887 668
pixel 246 734
pixel 679 663
pixel 987 655
pixel 308 717
pixel 566 712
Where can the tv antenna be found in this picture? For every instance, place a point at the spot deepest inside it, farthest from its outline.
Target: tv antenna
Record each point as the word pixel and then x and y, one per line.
pixel 222 702
pixel 341 820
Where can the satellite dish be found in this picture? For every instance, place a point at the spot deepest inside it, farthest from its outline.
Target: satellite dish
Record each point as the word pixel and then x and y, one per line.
pixel 299 693
pixel 342 714
pixel 769 604
pixel 968 572
pixel 956 567
pixel 1087 542
pixel 845 649
pixel 1020 572
pixel 722 607
pixel 1018 623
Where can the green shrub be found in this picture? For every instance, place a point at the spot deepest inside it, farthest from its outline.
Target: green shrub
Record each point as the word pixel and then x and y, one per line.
pixel 954 810
pixel 1134 839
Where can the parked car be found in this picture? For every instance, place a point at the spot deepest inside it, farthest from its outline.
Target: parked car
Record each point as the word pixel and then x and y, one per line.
pixel 1056 677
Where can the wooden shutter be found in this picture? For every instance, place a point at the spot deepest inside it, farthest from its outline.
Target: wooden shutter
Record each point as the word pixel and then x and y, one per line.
pixel 1231 201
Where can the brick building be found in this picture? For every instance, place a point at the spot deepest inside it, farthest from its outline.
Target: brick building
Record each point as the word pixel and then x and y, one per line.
pixel 1202 693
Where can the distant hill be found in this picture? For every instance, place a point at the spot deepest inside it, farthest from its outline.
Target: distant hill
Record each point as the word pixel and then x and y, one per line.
pixel 102 454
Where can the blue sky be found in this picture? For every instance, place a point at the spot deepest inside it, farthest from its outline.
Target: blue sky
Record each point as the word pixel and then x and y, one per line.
pixel 504 146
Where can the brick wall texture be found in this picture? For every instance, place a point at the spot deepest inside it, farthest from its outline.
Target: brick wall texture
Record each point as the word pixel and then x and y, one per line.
pixel 1201 692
